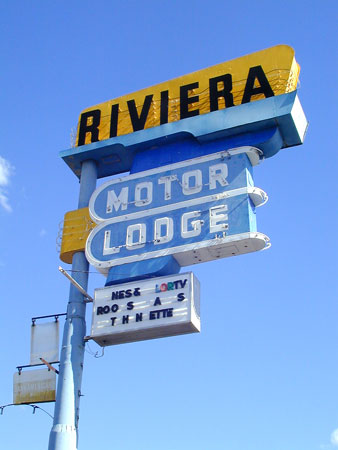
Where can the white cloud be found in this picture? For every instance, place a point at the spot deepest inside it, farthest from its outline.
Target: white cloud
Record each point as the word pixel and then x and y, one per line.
pixel 334 437
pixel 6 170
pixel 43 232
pixel 4 202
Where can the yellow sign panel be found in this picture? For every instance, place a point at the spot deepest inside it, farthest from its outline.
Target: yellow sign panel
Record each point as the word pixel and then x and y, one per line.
pixel 76 227
pixel 262 74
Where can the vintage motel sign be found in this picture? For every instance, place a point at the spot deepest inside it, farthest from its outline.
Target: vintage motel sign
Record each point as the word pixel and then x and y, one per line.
pixel 251 100
pixel 194 214
pixel 196 210
pixel 147 309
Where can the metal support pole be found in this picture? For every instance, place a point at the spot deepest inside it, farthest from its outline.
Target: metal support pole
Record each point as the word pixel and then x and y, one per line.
pixel 64 433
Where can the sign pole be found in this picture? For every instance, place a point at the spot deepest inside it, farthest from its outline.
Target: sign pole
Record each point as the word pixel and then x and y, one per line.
pixel 189 199
pixel 64 433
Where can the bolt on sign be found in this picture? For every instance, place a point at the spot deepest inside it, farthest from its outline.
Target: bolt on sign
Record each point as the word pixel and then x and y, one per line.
pixel 267 73
pixel 147 309
pixel 190 145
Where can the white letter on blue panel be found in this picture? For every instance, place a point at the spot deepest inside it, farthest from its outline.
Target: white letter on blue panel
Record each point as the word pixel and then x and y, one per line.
pixel 167 185
pixel 218 172
pixel 195 224
pixel 148 186
pixel 168 223
pixel 107 250
pixel 113 200
pixel 216 217
pixel 140 229
pixel 197 187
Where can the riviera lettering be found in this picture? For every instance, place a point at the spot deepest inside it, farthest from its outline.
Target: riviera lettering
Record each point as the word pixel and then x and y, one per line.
pixel 220 87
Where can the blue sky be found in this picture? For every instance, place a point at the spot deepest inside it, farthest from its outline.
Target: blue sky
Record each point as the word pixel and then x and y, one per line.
pixel 262 374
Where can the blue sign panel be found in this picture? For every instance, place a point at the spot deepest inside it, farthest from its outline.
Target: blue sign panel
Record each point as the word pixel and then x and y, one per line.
pixel 167 185
pixel 180 209
pixel 211 220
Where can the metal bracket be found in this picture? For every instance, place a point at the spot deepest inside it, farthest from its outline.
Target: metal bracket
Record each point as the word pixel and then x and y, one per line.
pixel 56 317
pixel 77 285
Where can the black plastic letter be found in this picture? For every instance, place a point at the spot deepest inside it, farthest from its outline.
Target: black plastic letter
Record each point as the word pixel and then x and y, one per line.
pixel 93 129
pixel 185 101
pixel 115 308
pixel 250 89
pixel 157 301
pixel 164 107
pixel 139 121
pixel 114 117
pixel 139 317
pixel 225 92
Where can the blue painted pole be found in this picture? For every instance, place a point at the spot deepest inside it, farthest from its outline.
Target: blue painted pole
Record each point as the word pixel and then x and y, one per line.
pixel 64 433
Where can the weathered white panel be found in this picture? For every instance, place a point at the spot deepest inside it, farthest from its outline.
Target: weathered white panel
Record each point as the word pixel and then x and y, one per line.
pixel 44 342
pixel 34 386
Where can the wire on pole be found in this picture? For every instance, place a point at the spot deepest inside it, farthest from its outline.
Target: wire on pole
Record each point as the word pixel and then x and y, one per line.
pixel 35 407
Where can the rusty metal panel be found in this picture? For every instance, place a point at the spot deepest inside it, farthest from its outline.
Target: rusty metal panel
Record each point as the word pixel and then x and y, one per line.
pixel 34 386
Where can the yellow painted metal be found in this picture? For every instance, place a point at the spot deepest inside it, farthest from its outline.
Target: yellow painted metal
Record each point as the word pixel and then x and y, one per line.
pixel 278 63
pixel 76 227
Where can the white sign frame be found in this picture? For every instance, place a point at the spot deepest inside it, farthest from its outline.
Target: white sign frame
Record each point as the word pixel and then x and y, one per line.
pixel 146 309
